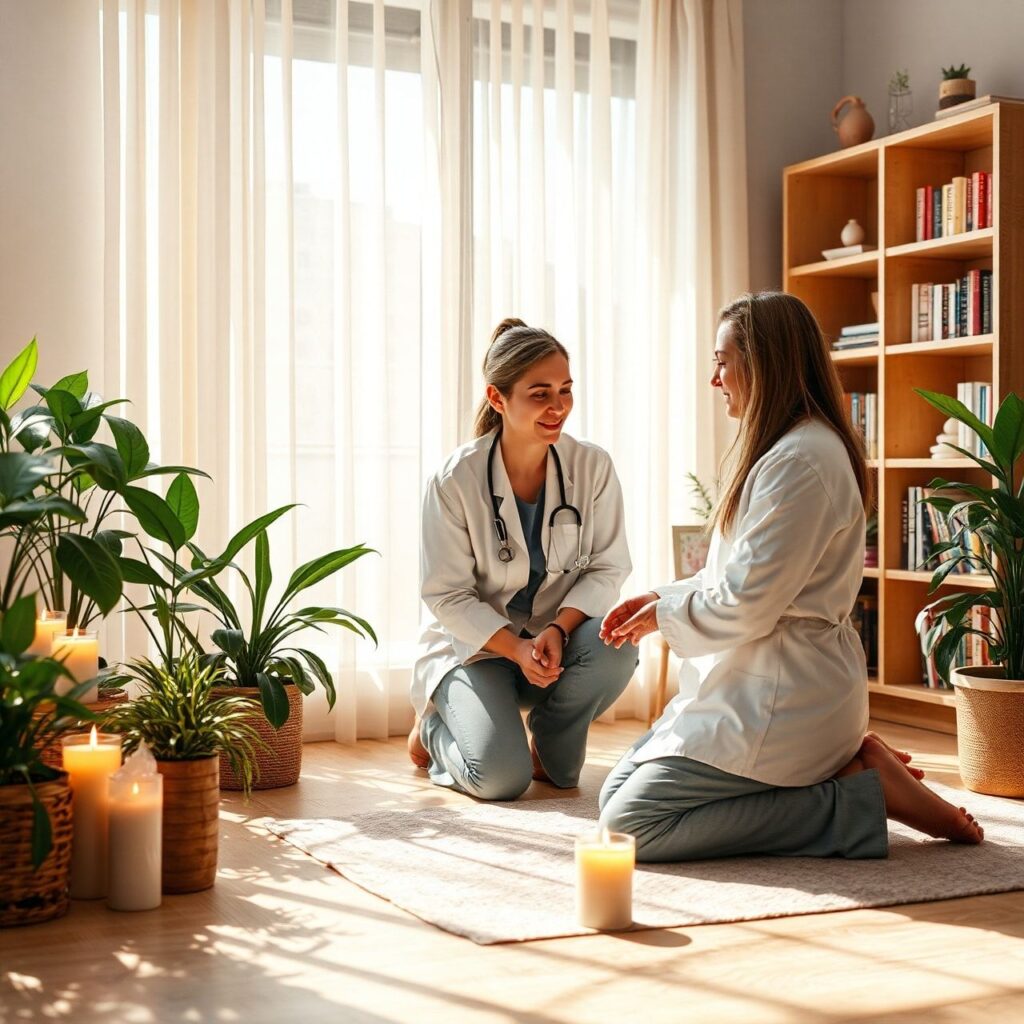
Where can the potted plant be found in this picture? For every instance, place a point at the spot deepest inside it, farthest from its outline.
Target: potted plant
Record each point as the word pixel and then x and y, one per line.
pixel 986 529
pixel 956 86
pixel 35 799
pixel 258 649
pixel 188 727
pixel 900 101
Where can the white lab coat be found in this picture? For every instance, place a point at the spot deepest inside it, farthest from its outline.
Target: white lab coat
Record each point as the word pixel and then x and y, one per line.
pixel 773 684
pixel 464 585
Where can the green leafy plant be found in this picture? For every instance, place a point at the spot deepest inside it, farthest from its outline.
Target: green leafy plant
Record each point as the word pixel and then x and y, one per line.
pixel 66 486
pixel 956 72
pixel 258 648
pixel 705 503
pixel 994 516
pixel 181 719
pixel 900 81
pixel 32 714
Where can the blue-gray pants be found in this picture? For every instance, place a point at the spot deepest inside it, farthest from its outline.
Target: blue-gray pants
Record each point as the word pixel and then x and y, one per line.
pixel 475 737
pixel 681 809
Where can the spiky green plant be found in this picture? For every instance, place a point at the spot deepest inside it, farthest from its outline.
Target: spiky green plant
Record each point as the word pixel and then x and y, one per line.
pixel 956 72
pixel 705 503
pixel 995 517
pixel 181 719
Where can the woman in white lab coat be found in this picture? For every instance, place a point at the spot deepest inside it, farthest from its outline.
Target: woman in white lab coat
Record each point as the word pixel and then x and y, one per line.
pixel 764 749
pixel 523 551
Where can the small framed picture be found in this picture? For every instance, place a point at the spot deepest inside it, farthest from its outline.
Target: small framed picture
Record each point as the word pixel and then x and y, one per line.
pixel 689 550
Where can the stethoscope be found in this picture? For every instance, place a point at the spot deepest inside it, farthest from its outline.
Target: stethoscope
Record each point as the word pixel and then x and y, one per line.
pixel 505 552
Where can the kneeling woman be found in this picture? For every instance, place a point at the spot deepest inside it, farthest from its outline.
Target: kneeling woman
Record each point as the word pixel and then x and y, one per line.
pixel 523 551
pixel 764 751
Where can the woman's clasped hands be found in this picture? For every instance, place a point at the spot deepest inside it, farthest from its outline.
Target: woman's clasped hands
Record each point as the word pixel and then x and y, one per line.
pixel 541 658
pixel 631 620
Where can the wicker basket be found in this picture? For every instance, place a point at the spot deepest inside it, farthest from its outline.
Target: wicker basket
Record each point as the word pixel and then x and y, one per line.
pixel 191 824
pixel 990 731
pixel 28 896
pixel 51 754
pixel 280 762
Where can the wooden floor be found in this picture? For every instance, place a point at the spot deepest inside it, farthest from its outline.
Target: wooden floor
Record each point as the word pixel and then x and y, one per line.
pixel 280 938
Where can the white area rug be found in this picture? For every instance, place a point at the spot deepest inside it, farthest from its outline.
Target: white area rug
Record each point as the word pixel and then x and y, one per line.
pixel 505 872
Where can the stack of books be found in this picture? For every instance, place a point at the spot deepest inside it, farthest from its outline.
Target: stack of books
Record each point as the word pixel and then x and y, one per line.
pixel 924 528
pixel 862 409
pixel 856 336
pixel 977 396
pixel 964 204
pixel 961 309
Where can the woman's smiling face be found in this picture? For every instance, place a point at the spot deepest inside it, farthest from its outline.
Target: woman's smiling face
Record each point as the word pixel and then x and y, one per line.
pixel 729 371
pixel 540 401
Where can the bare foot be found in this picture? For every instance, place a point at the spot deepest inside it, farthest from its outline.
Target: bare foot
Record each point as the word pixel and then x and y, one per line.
pixel 913 804
pixel 902 755
pixel 417 752
pixel 538 769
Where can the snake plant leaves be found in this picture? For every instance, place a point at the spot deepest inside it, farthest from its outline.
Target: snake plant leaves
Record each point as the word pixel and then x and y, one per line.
pixel 15 379
pixel 184 503
pixel 131 445
pixel 92 568
pixel 155 516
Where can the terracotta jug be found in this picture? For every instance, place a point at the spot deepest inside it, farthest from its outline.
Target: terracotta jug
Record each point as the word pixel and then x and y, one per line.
pixel 856 125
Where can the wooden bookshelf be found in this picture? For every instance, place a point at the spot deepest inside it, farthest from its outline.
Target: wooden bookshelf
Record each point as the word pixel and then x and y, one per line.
pixel 876 183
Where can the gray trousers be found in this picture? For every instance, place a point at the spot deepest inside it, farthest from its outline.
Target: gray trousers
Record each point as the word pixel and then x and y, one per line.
pixel 475 736
pixel 680 809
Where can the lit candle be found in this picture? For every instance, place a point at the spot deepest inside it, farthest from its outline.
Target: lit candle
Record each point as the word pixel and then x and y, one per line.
pixel 48 625
pixel 89 760
pixel 80 653
pixel 604 880
pixel 136 810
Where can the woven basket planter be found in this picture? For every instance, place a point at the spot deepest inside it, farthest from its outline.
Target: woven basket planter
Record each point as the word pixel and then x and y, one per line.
pixel 52 756
pixel 28 896
pixel 191 823
pixel 990 731
pixel 280 763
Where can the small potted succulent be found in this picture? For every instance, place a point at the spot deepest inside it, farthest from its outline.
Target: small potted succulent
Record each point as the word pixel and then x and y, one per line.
pixel 986 530
pixel 956 86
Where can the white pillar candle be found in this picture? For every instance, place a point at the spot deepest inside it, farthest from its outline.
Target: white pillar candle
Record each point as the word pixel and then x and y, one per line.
pixel 80 653
pixel 136 810
pixel 89 760
pixel 604 880
pixel 48 625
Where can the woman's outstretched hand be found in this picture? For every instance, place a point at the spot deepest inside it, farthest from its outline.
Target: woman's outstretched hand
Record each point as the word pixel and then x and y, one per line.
pixel 631 620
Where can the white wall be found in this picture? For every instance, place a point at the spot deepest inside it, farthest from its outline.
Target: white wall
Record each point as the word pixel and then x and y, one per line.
pixel 803 55
pixel 51 195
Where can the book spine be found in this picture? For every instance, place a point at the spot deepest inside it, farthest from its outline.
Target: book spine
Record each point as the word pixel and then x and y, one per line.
pixel 958 213
pixel 936 324
pixel 945 312
pixel 936 212
pixel 915 312
pixel 976 300
pixel 947 210
pixel 985 318
pixel 919 230
pixel 962 329
pixel 969 203
pixel 988 199
pixel 905 533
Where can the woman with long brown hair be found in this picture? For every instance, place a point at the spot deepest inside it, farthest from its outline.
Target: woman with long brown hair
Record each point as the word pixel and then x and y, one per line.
pixel 764 749
pixel 523 550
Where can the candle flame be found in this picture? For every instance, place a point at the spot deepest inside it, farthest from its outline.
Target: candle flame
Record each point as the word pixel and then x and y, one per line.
pixel 606 836
pixel 93 739
pixel 135 789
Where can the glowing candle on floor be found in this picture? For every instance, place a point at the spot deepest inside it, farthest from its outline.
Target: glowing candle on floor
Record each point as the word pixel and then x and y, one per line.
pixel 80 653
pixel 604 880
pixel 89 760
pixel 136 809
pixel 48 625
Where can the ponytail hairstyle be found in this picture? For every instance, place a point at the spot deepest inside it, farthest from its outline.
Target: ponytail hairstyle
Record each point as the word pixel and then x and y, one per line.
pixel 790 377
pixel 514 348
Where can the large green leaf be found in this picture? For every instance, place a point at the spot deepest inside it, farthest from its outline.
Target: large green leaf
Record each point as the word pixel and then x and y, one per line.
pixel 32 427
pixel 29 511
pixel 335 616
pixel 1008 428
pixel 955 408
pixel 155 516
pixel 92 568
pixel 273 698
pixel 134 570
pixel 19 625
pixel 15 379
pixel 154 470
pixel 230 641
pixel 20 474
pixel 184 503
pixel 320 568
pixel 247 533
pixel 320 670
pixel 64 407
pixel 131 444
pixel 76 384
pixel 264 576
pixel 102 462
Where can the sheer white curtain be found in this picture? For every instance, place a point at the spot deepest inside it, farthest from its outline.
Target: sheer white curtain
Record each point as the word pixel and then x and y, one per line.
pixel 317 209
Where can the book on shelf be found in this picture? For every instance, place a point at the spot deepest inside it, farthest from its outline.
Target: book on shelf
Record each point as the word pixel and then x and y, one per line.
pixel 923 528
pixel 972 649
pixel 957 309
pixel 857 341
pixel 977 396
pixel 975 104
pixel 846 250
pixel 862 412
pixel 958 206
pixel 864 619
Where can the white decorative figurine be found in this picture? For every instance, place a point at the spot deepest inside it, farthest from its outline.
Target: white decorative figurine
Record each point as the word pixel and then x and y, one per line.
pixel 941 449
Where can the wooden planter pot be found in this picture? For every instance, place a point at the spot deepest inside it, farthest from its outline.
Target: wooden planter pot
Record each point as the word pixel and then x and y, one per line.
pixel 990 730
pixel 28 896
pixel 191 823
pixel 280 764
pixel 955 90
